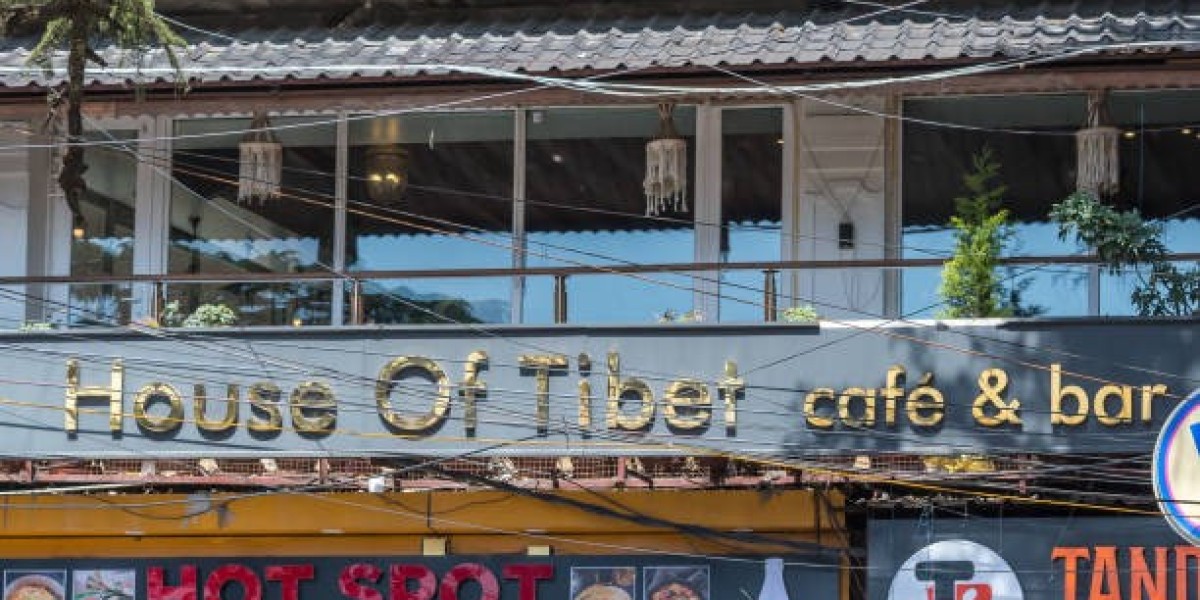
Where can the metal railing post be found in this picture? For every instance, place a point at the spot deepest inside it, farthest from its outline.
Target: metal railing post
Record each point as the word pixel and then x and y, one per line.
pixel 158 304
pixel 356 302
pixel 770 314
pixel 560 298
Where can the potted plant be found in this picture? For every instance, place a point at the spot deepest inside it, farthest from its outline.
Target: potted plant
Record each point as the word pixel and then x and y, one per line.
pixel 211 315
pixel 804 313
pixel 972 286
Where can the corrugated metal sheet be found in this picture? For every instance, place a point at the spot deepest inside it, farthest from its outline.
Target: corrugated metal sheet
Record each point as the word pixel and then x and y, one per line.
pixel 940 31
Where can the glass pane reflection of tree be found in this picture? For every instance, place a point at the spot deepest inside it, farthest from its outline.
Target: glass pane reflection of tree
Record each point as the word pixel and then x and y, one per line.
pixel 212 233
pixel 104 245
pixel 432 192
pixel 1037 168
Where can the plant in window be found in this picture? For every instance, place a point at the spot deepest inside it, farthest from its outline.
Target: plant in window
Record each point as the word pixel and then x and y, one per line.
pixel 32 326
pixel 211 315
pixel 670 316
pixel 972 286
pixel 800 314
pixel 1125 243
pixel 172 315
pixel 78 27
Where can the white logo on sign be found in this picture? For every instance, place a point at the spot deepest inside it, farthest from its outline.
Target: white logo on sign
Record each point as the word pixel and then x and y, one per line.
pixel 955 570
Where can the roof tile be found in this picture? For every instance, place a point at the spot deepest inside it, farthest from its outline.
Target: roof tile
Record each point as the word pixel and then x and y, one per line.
pixel 568 45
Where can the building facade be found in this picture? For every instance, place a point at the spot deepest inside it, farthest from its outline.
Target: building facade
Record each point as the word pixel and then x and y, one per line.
pixel 579 294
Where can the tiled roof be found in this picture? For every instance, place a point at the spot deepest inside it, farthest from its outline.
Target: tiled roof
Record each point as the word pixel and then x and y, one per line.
pixel 687 40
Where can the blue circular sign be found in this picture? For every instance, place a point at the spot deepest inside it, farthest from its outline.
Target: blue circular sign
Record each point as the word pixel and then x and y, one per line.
pixel 1176 469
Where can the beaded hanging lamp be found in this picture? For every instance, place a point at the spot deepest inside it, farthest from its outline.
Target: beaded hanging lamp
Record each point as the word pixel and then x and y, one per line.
pixel 1098 159
pixel 260 164
pixel 666 167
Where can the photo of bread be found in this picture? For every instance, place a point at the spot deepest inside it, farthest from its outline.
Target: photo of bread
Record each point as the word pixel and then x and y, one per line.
pixel 603 583
pixel 34 585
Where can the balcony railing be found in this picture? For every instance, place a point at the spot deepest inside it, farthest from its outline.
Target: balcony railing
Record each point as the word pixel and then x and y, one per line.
pixel 1061 286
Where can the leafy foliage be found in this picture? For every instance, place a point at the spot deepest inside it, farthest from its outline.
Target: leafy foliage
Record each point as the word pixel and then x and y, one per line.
pixel 1125 243
pixel 671 316
pixel 971 285
pixel 402 306
pixel 79 27
pixel 801 314
pixel 211 315
pixel 128 24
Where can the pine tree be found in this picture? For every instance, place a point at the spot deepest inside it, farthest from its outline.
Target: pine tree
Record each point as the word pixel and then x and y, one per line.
pixel 79 27
pixel 971 286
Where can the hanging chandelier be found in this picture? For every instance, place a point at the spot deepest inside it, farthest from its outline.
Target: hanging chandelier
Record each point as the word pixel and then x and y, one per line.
pixel 666 167
pixel 387 173
pixel 260 163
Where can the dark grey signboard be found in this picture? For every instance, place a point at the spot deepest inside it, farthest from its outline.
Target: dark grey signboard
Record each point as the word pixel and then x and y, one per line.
pixel 410 578
pixel 685 389
pixel 949 557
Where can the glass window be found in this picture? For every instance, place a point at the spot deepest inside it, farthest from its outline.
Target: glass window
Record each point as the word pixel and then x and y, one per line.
pixel 104 245
pixel 586 204
pixel 1033 141
pixel 1159 147
pixel 432 191
pixel 211 232
pixel 751 204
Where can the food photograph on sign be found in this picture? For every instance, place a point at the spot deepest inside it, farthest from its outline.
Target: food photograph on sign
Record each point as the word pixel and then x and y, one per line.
pixel 35 585
pixel 677 583
pixel 103 584
pixel 603 583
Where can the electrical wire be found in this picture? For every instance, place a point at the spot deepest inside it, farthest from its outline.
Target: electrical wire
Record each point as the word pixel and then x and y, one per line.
pixel 642 90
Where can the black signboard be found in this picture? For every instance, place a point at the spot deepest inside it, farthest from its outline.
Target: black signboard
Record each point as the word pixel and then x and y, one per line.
pixel 641 577
pixel 951 557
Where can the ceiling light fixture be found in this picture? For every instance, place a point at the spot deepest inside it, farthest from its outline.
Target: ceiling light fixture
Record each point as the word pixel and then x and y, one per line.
pixel 387 173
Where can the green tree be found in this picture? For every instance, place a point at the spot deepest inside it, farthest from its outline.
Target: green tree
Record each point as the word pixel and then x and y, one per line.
pixel 1125 243
pixel 79 27
pixel 971 285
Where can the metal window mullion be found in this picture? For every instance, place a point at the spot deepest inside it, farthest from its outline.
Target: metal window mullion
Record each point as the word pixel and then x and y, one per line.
pixel 341 187
pixel 707 209
pixel 893 207
pixel 519 259
pixel 793 117
pixel 1095 275
pixel 152 215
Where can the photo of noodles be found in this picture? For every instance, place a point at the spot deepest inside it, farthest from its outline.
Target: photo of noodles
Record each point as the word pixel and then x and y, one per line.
pixel 29 585
pixel 603 583
pixel 677 583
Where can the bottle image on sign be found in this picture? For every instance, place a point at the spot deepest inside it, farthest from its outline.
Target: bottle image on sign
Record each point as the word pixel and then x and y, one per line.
pixel 773 587
pixel 955 570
